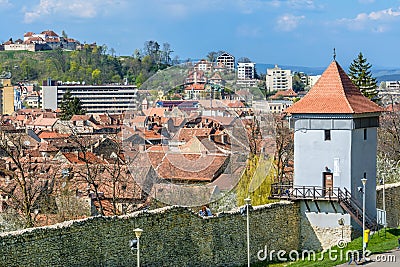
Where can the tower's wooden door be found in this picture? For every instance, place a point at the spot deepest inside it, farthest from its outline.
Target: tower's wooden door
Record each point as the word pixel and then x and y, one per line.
pixel 328 183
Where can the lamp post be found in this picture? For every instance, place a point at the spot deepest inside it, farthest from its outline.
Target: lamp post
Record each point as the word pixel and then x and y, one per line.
pixel 138 233
pixel 364 181
pixel 383 196
pixel 247 201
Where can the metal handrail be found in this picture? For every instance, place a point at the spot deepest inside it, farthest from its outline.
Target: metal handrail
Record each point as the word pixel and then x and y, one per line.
pixel 303 192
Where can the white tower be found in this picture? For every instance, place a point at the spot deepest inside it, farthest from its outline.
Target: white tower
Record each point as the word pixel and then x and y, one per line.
pixel 335 140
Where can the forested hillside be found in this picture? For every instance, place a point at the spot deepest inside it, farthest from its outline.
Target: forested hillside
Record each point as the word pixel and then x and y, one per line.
pixel 92 64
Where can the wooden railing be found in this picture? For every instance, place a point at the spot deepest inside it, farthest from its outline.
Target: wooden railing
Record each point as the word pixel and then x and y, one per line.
pixel 289 191
pixel 342 196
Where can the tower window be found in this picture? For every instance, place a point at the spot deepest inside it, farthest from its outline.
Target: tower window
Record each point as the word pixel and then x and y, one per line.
pixel 365 134
pixel 327 135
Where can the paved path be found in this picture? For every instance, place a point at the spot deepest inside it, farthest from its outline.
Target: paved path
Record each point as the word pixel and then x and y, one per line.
pixel 387 259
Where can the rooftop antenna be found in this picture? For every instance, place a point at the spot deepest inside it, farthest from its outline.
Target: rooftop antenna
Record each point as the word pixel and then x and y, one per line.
pixel 334 54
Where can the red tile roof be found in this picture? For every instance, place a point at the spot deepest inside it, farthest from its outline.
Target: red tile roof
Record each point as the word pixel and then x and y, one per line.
pixel 286 93
pixel 334 93
pixel 189 167
pixel 52 135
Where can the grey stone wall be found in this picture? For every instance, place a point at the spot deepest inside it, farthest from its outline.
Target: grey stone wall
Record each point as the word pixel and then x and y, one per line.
pixel 172 236
pixel 392 203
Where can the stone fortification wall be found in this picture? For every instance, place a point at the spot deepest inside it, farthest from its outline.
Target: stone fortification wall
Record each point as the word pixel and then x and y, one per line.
pixel 172 236
pixel 392 203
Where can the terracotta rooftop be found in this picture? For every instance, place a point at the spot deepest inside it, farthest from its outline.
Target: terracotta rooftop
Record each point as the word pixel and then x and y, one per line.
pixel 286 93
pixel 52 135
pixel 334 93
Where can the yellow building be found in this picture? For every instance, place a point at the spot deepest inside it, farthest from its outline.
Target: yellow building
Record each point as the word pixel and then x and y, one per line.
pixel 6 96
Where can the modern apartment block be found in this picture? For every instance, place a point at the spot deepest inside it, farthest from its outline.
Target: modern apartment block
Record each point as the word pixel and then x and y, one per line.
pixel 227 60
pixel 246 70
pixel 278 79
pixel 94 98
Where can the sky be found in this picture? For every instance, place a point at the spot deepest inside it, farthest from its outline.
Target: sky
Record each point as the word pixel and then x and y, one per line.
pixel 286 32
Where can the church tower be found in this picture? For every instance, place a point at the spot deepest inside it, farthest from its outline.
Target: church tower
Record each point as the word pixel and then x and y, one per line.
pixel 335 143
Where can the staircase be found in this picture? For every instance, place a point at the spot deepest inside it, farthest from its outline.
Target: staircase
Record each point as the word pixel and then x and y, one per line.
pixel 349 204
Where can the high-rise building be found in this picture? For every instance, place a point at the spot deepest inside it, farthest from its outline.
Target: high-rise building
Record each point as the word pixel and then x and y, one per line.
pixel 246 70
pixel 278 79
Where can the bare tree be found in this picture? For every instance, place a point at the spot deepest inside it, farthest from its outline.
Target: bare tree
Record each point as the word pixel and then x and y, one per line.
pixel 24 181
pixel 92 168
pixel 389 135
pixel 284 146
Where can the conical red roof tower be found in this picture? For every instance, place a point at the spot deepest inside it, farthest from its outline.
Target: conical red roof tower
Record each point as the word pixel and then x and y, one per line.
pixel 334 93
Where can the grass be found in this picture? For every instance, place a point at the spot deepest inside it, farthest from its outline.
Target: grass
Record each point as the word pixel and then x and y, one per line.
pixel 379 242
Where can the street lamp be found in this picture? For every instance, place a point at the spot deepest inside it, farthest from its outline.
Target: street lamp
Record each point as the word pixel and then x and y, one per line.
pixel 248 201
pixel 364 181
pixel 383 196
pixel 135 244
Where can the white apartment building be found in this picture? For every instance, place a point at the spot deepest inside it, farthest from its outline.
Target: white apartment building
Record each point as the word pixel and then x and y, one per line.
pixel 246 70
pixel 391 85
pixel 275 106
pixel 278 79
pixel 110 99
pixel 313 80
pixel 227 60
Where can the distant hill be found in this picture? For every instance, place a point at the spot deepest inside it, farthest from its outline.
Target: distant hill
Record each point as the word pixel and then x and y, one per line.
pixel 262 68
pixel 381 73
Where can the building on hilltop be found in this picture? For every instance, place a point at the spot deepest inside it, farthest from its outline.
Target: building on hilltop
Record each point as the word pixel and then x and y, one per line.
pixel 335 143
pixel 246 74
pixel 109 99
pixel 246 70
pixel 46 40
pixel 278 79
pixel 226 60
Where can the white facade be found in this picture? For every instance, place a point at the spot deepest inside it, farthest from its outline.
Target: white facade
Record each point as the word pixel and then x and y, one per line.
pixel 246 70
pixel 390 85
pixel 278 79
pixel 313 80
pixel 95 99
pixel 227 60
pixel 276 106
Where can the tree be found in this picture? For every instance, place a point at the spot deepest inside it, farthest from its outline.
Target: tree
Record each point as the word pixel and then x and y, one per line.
pixel 70 106
pixel 64 34
pixel 24 182
pixel 244 60
pixel 360 75
pixel 298 85
pixel 284 147
pixel 212 56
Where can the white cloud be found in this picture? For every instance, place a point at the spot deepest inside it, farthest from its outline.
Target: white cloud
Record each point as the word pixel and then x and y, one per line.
pixel 366 1
pixel 4 3
pixel 370 20
pixel 288 22
pixel 302 4
pixel 248 31
pixel 72 8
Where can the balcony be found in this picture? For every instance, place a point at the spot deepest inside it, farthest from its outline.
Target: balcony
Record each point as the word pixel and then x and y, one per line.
pixel 290 192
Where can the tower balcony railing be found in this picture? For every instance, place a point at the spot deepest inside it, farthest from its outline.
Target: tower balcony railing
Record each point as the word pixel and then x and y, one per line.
pixel 291 192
